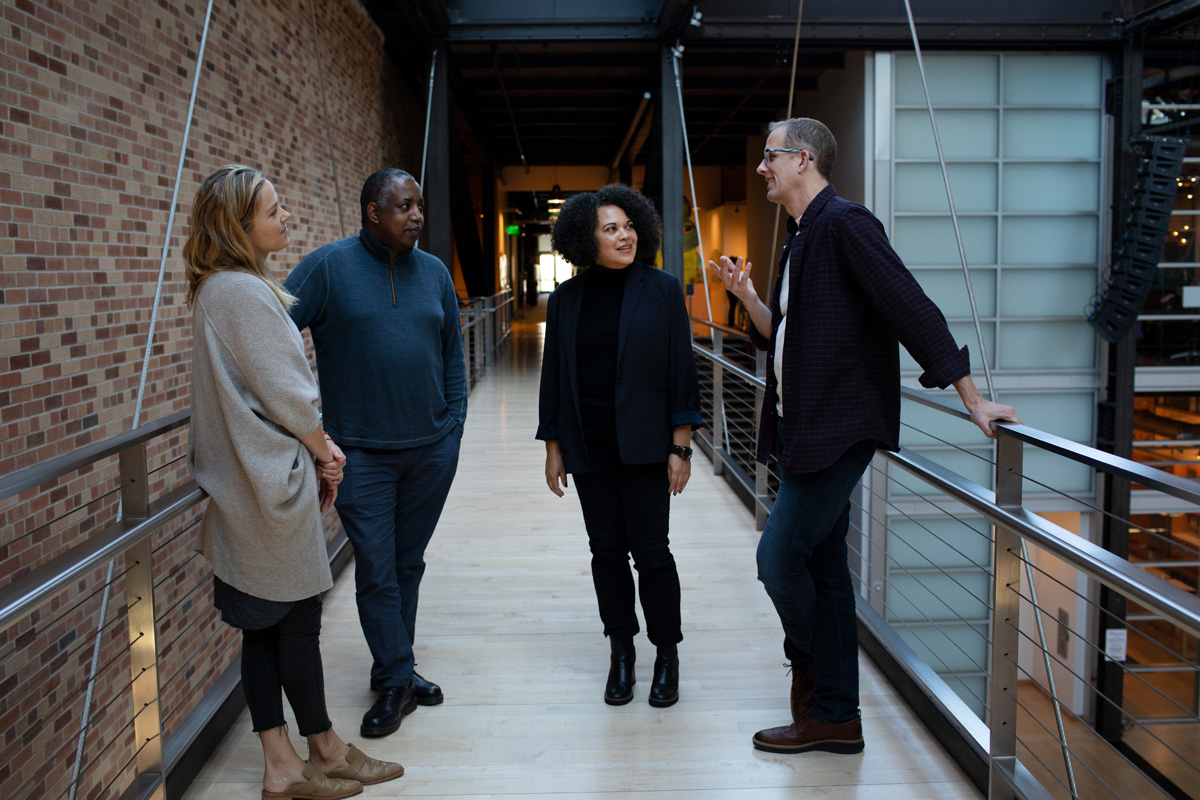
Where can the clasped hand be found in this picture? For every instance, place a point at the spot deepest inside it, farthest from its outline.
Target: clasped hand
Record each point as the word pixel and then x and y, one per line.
pixel 329 474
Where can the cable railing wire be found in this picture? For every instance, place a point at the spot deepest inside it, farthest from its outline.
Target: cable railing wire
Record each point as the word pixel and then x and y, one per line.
pixel 932 650
pixel 1097 607
pixel 61 517
pixel 938 568
pixel 1098 650
pixel 947 514
pixel 1135 721
pixel 167 715
pixel 954 612
pixel 1078 719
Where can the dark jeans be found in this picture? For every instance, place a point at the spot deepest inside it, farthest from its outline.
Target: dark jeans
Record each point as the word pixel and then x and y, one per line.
pixel 803 563
pixel 287 656
pixel 389 502
pixel 626 509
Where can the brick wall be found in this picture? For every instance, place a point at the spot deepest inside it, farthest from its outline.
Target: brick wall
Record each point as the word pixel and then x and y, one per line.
pixel 93 99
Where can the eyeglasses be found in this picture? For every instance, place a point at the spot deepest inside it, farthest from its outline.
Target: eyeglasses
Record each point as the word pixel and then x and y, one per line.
pixel 769 153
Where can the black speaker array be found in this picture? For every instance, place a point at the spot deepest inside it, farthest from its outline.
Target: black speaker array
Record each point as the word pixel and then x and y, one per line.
pixel 1142 232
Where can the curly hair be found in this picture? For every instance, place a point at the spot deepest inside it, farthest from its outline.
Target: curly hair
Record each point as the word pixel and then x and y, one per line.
pixel 219 240
pixel 574 234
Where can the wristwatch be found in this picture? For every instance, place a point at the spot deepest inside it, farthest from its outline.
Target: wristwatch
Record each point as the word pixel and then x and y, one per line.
pixel 683 452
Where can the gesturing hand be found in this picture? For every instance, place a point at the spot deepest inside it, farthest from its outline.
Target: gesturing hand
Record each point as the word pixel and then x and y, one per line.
pixel 735 276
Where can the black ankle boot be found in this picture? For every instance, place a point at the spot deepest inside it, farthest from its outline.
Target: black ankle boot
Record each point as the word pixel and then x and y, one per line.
pixel 664 691
pixel 619 690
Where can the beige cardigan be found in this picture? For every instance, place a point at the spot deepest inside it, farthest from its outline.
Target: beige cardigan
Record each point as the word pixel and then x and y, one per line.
pixel 253 398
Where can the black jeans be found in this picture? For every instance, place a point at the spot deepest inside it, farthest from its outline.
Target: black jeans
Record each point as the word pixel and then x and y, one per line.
pixel 626 509
pixel 287 656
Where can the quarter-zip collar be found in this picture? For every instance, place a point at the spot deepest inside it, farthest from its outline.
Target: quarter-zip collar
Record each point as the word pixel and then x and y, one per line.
pixel 382 253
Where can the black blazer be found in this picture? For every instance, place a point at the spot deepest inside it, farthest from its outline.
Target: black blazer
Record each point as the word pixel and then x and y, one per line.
pixel 656 390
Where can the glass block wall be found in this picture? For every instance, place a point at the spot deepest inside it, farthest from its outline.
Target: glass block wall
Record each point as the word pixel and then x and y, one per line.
pixel 1025 138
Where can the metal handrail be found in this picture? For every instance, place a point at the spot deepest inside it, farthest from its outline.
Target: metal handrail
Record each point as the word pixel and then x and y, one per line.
pixel 1165 482
pixel 55 468
pixel 131 537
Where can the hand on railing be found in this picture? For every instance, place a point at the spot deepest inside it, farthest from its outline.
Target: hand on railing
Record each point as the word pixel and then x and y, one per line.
pixel 984 413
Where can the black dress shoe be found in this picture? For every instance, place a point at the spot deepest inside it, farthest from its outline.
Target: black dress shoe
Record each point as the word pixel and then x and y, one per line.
pixel 426 692
pixel 393 703
pixel 664 689
pixel 621 677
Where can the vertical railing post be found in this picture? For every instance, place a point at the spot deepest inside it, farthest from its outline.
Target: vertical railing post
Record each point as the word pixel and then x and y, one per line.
pixel 874 582
pixel 466 337
pixel 761 487
pixel 491 321
pixel 139 595
pixel 1006 615
pixel 718 403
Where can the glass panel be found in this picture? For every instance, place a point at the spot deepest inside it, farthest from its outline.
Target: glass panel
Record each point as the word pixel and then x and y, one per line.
pixel 1052 134
pixel 1054 471
pixel 936 597
pixel 1061 292
pixel 930 240
pixel 954 79
pixel 1051 187
pixel 1068 415
pixel 966 464
pixel 1053 80
pixel 916 418
pixel 1047 345
pixel 943 541
pixel 964 334
pixel 921 187
pixel 947 289
pixel 949 647
pixel 1051 240
pixel 965 134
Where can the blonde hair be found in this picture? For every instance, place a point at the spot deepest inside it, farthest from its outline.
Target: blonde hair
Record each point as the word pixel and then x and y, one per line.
pixel 219 239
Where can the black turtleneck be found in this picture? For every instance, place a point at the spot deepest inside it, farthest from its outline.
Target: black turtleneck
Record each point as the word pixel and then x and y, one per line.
pixel 596 352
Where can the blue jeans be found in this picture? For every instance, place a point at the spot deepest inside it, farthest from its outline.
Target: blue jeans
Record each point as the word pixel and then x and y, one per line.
pixel 389 502
pixel 803 563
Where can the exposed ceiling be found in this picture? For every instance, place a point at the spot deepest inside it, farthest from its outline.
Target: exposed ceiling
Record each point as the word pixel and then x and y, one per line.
pixel 560 82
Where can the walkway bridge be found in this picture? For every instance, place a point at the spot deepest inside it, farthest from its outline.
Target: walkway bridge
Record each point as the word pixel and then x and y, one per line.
pixel 509 628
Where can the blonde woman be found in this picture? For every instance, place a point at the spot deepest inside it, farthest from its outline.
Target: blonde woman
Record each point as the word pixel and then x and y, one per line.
pixel 257 447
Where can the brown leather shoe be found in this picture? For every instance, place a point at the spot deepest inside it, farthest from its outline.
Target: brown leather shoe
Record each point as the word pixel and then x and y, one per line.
pixel 803 683
pixel 316 787
pixel 812 734
pixel 366 770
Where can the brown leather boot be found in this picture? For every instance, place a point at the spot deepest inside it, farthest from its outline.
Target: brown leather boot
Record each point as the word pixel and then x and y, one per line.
pixel 803 683
pixel 812 734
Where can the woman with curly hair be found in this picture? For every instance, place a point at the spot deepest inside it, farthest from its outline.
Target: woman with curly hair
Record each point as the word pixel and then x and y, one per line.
pixel 257 448
pixel 619 399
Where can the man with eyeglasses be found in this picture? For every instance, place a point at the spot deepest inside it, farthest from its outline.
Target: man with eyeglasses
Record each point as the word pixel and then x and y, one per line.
pixel 832 398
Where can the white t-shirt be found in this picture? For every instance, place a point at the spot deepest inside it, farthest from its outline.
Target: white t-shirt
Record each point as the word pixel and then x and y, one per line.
pixel 783 309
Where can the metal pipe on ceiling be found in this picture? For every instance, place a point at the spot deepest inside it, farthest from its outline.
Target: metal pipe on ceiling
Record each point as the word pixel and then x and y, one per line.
pixel 637 118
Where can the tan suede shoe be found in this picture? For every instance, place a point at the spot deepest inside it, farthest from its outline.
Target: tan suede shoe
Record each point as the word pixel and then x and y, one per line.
pixel 316 787
pixel 366 770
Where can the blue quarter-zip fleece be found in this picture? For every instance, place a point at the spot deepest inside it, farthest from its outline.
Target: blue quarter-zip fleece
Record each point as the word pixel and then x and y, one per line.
pixel 388 340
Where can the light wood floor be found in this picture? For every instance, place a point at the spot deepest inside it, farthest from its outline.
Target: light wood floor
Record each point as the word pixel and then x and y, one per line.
pixel 508 626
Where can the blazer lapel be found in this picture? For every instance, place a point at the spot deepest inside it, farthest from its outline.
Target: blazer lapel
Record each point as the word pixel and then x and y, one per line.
pixel 629 301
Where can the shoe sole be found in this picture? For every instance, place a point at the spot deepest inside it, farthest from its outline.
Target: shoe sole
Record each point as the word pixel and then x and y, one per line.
pixel 665 703
pixel 846 747
pixel 620 701
pixel 431 701
pixel 375 733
